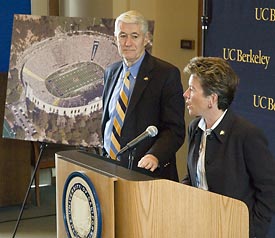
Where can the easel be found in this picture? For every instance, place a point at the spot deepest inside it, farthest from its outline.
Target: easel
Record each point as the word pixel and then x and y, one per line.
pixel 42 147
pixel 46 163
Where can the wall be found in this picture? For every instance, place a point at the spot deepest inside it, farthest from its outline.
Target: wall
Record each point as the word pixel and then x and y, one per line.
pixel 85 8
pixel 40 7
pixel 15 161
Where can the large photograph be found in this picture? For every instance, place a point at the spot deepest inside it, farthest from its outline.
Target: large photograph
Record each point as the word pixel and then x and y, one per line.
pixel 55 79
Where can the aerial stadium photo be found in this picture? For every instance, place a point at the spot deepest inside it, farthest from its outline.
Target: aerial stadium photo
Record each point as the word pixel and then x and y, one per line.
pixel 55 79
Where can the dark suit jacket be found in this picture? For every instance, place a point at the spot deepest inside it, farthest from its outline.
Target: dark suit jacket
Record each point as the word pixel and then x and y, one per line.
pixel 238 164
pixel 157 99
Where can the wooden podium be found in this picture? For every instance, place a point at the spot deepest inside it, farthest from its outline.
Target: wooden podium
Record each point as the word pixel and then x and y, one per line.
pixel 134 205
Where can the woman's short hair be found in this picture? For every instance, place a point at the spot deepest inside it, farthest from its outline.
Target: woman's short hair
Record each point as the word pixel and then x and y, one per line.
pixel 216 76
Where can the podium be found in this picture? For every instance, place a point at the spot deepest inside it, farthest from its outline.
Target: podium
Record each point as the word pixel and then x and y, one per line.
pixel 134 205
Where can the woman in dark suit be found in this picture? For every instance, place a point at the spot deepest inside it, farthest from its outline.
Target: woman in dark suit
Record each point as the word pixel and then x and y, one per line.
pixel 227 154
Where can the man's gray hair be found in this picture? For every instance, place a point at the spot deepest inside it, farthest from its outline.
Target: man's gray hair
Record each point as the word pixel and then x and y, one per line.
pixel 131 17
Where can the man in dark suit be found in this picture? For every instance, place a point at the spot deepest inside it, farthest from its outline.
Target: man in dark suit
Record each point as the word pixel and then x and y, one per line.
pixel 227 154
pixel 155 99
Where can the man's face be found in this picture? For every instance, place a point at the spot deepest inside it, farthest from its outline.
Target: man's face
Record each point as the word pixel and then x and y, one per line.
pixel 131 42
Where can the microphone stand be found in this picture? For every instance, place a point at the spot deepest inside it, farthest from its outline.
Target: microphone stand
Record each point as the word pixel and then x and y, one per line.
pixel 42 147
pixel 204 22
pixel 131 157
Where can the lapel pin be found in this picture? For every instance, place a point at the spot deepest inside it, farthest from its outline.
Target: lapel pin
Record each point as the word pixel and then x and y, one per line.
pixel 146 78
pixel 222 132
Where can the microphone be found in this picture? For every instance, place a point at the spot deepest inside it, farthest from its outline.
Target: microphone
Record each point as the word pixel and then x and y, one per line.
pixel 151 131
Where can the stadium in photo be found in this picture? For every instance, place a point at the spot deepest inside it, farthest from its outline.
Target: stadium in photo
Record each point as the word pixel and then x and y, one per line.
pixel 55 80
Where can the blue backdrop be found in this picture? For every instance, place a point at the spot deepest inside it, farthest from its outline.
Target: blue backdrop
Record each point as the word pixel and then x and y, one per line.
pixel 243 33
pixel 7 9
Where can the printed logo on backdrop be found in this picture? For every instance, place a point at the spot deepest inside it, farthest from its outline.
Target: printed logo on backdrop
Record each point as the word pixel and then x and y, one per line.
pixel 242 32
pixel 81 208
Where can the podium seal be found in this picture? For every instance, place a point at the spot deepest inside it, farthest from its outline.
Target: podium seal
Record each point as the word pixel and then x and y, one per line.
pixel 81 209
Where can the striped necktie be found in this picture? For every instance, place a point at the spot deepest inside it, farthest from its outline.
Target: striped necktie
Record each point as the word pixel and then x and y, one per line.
pixel 121 107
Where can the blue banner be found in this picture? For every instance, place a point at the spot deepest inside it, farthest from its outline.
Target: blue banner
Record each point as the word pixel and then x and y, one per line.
pixel 7 9
pixel 242 32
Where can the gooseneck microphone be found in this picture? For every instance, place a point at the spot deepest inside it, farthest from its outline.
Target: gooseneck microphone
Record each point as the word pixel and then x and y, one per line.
pixel 151 131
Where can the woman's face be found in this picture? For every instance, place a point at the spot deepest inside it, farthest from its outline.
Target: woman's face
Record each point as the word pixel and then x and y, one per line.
pixel 196 102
